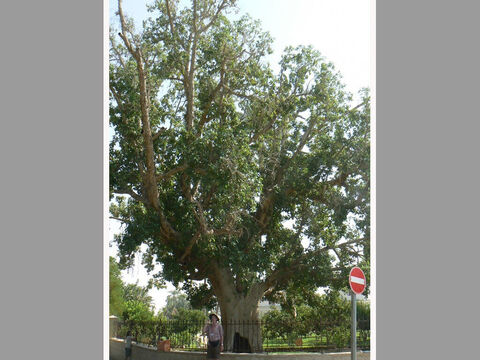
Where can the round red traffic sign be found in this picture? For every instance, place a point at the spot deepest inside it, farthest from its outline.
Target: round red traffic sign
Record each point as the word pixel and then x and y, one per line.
pixel 357 280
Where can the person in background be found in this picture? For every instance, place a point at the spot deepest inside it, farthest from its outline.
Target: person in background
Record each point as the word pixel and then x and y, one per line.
pixel 214 333
pixel 128 345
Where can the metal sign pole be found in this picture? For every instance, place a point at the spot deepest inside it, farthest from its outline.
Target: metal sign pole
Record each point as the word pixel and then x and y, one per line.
pixel 354 326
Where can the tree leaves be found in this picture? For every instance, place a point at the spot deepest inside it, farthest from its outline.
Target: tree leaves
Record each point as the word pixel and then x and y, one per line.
pixel 238 151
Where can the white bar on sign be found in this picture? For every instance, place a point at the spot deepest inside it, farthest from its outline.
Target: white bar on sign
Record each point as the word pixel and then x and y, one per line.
pixel 357 280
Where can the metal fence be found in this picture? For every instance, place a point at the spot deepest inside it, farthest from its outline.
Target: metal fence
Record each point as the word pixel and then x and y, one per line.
pixel 286 336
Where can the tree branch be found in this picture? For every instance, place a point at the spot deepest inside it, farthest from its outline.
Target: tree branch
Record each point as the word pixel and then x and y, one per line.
pixel 198 213
pixel 282 275
pixel 120 219
pixel 352 242
pixel 305 138
pixel 190 80
pixel 149 178
pixel 132 193
pixel 115 50
pixel 222 6
pixel 158 133
pixel 204 119
pixel 170 19
pixel 117 98
pixel 124 28
pixel 172 172
pixel 188 249
pixel 358 106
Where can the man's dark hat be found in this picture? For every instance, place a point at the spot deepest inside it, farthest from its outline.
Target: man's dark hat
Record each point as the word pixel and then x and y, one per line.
pixel 213 314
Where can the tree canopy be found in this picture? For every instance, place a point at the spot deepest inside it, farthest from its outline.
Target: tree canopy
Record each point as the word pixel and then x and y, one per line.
pixel 135 292
pixel 116 299
pixel 240 181
pixel 176 301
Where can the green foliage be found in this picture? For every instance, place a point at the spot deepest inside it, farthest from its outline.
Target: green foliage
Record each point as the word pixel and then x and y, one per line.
pixel 137 311
pixel 175 301
pixel 277 324
pixel 211 160
pixel 135 293
pixel 331 308
pixel 363 315
pixel 189 316
pixel 182 317
pixel 140 320
pixel 186 321
pixel 124 298
pixel 328 315
pixel 200 296
pixel 340 335
pixel 115 289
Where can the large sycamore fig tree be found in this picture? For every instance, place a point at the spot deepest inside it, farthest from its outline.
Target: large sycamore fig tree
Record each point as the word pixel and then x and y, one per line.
pixel 242 182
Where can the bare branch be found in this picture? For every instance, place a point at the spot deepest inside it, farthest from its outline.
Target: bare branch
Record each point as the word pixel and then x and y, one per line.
pixel 199 212
pixel 117 98
pixel 149 178
pixel 170 19
pixel 126 221
pixel 174 79
pixel 190 78
pixel 119 55
pixel 124 28
pixel 306 137
pixel 208 197
pixel 172 172
pixel 265 129
pixel 188 249
pixel 358 106
pixel 222 6
pixel 240 95
pixel 204 119
pixel 132 193
pixel 158 133
pixel 352 242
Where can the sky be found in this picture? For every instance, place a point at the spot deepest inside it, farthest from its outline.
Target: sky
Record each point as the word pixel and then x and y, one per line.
pixel 339 29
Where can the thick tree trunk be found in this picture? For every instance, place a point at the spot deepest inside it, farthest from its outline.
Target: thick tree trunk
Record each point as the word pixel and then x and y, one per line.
pixel 241 325
pixel 239 313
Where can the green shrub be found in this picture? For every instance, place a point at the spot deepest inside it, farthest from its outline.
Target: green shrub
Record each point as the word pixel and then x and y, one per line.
pixel 363 315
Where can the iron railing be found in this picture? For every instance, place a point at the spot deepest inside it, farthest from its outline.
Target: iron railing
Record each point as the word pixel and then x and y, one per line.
pixel 247 336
